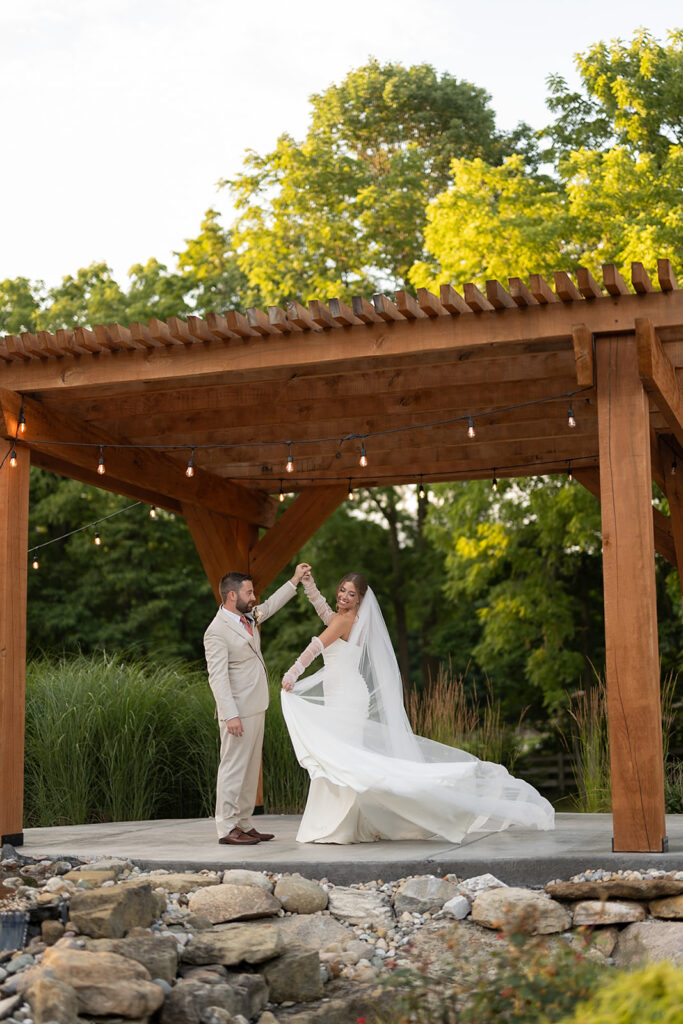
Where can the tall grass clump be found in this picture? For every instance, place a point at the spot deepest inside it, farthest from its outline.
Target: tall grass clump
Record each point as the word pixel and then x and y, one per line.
pixel 116 738
pixel 285 782
pixel 445 712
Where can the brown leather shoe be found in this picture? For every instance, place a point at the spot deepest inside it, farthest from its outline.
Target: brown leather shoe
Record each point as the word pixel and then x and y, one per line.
pixel 262 837
pixel 239 838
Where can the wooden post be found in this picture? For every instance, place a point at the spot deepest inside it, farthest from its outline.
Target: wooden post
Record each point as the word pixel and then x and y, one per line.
pixel 14 484
pixel 632 659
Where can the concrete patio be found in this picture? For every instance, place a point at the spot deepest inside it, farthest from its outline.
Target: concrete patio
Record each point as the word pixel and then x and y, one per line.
pixel 516 856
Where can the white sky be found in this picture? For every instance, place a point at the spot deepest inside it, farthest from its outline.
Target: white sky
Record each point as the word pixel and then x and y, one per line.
pixel 119 116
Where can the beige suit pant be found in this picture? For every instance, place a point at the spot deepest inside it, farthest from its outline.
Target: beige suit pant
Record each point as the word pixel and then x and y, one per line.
pixel 238 775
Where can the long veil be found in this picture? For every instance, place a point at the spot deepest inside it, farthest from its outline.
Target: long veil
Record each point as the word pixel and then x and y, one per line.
pixel 443 790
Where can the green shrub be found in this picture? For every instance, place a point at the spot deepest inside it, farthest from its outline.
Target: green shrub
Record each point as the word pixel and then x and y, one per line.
pixel 285 782
pixel 653 995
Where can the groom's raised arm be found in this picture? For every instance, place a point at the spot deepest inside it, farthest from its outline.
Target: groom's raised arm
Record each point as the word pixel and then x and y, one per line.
pixel 281 596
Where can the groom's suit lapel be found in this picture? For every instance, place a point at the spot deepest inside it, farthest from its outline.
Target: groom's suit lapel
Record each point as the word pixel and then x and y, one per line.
pixel 238 628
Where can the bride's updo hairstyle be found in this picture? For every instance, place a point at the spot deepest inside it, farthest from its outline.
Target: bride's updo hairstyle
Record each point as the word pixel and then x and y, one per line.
pixel 359 581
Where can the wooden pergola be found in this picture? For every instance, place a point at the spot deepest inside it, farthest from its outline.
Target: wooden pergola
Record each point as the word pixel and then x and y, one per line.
pixel 235 394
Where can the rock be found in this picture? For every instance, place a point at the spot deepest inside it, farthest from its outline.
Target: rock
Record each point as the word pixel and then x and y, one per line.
pixel 93 875
pixel 190 1001
pixel 227 902
pixel 217 1015
pixel 52 1000
pixel 158 953
pixel 110 913
pixel 234 944
pixel 19 963
pixel 524 910
pixel 294 976
pixel 181 882
pixel 242 876
pixel 650 940
pixel 315 931
pixel 669 907
pixel 252 993
pixel 596 944
pixel 458 907
pixel 50 931
pixel 471 887
pixel 607 912
pixel 300 895
pixel 9 1005
pixel 60 867
pixel 620 887
pixel 423 894
pixel 361 906
pixel 267 1018
pixel 105 983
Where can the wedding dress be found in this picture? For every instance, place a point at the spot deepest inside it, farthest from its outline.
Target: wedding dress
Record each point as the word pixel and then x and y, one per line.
pixel 371 776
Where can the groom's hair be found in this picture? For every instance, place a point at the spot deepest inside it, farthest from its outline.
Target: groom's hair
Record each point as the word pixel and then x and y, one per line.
pixel 231 581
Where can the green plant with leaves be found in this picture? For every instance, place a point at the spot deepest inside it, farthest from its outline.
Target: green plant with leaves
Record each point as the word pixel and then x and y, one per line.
pixel 651 995
pixel 285 782
pixel 590 743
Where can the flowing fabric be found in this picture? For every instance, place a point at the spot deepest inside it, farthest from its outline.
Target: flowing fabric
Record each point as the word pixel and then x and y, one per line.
pixel 371 776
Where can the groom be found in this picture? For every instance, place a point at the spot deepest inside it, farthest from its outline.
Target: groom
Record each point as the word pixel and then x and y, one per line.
pixel 238 678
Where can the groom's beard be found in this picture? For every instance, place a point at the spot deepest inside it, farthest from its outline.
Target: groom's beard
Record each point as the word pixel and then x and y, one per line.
pixel 244 607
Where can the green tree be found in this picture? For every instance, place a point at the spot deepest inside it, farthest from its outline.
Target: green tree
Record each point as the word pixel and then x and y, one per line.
pixel 210 270
pixel 343 210
pixel 20 301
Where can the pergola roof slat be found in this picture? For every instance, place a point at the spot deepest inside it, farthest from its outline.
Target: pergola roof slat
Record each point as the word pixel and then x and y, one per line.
pixel 429 303
pixel 406 304
pixel 520 294
pixel 613 281
pixel 588 286
pixel 452 301
pixel 666 276
pixel 343 314
pixel 541 290
pixel 477 302
pixel 497 296
pixel 640 279
pixel 386 309
pixel 565 288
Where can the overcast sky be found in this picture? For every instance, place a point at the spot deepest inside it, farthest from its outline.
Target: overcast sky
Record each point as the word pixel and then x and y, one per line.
pixel 119 116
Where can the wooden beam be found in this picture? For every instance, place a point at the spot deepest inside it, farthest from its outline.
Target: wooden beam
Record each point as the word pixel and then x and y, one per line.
pixel 475 299
pixel 659 377
pixel 666 276
pixel 632 656
pixel 14 488
pixel 541 290
pixel 294 527
pixel 663 534
pixel 215 538
pixel 520 293
pixel 343 314
pixel 583 354
pixel 386 309
pixel 452 301
pixel 429 303
pixel 279 319
pixel 588 286
pixel 365 311
pixel 407 305
pixel 45 430
pixel 497 296
pixel 640 279
pixel 565 287
pixel 613 281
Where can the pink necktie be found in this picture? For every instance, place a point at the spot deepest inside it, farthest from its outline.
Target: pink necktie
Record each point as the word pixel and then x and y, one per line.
pixel 246 625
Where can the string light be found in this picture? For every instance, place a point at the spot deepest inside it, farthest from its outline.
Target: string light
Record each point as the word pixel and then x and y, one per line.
pixel 350 494
pixel 570 475
pixel 13 458
pixel 100 465
pixel 281 495
pixel 152 511
pixel 21 427
pixel 421 491
pixel 571 422
pixel 674 466
pixel 494 482
pixel 290 461
pixel 471 432
pixel 189 471
pixel 363 454
pixel 98 539
pixel 35 564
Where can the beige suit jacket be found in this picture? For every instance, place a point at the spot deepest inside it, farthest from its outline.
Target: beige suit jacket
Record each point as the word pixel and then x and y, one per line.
pixel 237 671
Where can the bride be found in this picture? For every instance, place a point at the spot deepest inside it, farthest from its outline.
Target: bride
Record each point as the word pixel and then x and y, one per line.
pixel 371 776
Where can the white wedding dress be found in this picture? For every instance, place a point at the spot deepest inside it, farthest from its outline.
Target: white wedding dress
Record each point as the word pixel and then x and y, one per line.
pixel 371 776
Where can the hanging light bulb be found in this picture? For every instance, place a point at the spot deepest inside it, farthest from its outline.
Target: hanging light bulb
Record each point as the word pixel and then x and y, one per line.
pixel 152 511
pixel 21 427
pixel 471 432
pixel 494 482
pixel 363 454
pixel 98 539
pixel 421 490
pixel 189 470
pixel 100 465
pixel 35 564
pixel 570 475
pixel 13 458
pixel 281 495
pixel 350 494
pixel 674 466
pixel 571 421
pixel 290 461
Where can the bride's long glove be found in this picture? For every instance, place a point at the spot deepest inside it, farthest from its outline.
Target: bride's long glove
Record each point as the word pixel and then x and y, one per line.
pixel 302 662
pixel 317 600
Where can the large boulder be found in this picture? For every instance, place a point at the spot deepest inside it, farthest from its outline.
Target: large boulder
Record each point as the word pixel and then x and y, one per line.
pixel 243 876
pixel 592 912
pixel 423 894
pixel 191 1002
pixel 158 953
pixel 300 895
pixel 523 910
pixel 233 903
pixel 668 907
pixel 111 912
pixel 629 885
pixel 52 1000
pixel 650 940
pixel 234 944
pixel 361 906
pixel 294 977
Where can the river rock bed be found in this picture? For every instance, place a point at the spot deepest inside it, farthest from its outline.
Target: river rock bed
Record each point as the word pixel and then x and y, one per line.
pixel 103 940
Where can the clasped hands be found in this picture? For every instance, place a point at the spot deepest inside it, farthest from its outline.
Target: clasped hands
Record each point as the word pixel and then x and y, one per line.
pixel 302 572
